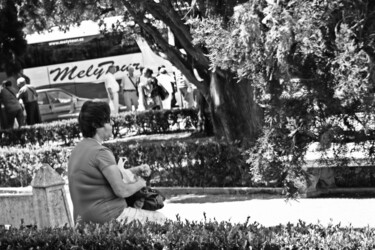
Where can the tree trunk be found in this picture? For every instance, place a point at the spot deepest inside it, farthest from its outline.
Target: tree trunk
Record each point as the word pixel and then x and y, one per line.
pixel 235 115
pixel 205 125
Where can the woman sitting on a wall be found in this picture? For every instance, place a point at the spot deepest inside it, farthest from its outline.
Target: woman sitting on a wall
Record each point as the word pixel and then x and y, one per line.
pixel 95 183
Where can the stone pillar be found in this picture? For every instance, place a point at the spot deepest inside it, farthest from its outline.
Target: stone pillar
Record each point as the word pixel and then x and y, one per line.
pixel 49 199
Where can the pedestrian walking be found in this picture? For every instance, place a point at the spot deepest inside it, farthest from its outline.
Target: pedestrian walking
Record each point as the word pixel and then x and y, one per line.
pixel 185 88
pixel 113 89
pixel 143 91
pixel 29 97
pixel 130 84
pixel 154 95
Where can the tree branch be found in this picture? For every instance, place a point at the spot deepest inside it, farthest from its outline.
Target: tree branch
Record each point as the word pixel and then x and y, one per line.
pixel 172 53
pixel 105 10
pixel 165 12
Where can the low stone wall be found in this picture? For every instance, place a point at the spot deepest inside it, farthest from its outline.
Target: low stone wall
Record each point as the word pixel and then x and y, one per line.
pixel 45 205
pixel 347 166
pixel 17 209
pixel 256 192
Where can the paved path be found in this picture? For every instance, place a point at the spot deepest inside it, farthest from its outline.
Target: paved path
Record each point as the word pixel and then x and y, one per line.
pixel 271 212
pixel 268 212
pixel 357 212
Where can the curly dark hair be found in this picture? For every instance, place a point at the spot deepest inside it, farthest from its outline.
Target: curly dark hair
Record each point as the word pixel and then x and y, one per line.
pixel 7 83
pixel 148 71
pixel 93 115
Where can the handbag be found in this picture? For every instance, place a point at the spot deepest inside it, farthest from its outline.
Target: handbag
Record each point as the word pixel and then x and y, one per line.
pixel 153 199
pixel 163 93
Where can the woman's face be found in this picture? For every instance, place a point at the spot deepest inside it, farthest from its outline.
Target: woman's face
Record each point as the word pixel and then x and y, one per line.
pixel 105 132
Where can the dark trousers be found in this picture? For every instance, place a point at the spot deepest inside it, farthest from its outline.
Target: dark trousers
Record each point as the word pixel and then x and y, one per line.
pixel 3 118
pixel 32 113
pixel 15 115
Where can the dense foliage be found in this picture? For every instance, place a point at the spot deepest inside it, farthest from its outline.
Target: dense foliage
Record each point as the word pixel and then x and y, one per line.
pixel 190 235
pixel 12 37
pixel 66 132
pixel 184 162
pixel 312 67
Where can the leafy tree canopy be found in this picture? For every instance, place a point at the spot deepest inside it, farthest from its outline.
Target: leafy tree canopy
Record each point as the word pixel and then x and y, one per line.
pixel 312 66
pixel 12 38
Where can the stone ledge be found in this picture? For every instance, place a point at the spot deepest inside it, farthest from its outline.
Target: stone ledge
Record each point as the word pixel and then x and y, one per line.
pixel 218 190
pixel 340 190
pixel 250 191
pixel 14 195
pixel 16 190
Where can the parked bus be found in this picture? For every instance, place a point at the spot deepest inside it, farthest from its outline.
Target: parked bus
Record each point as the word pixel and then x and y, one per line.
pixel 78 60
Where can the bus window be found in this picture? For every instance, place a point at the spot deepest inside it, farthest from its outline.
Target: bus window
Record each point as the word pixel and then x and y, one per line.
pixel 48 53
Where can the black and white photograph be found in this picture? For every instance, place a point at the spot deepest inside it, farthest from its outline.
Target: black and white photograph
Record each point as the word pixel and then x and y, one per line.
pixel 187 124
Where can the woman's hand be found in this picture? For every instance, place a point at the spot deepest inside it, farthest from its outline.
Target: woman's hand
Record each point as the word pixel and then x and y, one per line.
pixel 144 170
pixel 142 182
pixel 141 170
pixel 120 188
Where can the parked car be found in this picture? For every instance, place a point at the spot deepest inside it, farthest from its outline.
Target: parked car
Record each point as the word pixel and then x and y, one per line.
pixel 56 104
pixel 59 104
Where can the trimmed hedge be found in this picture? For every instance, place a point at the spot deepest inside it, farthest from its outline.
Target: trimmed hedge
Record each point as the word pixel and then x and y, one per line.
pixel 124 124
pixel 194 163
pixel 179 162
pixel 19 164
pixel 190 235
pixel 354 176
pixel 188 162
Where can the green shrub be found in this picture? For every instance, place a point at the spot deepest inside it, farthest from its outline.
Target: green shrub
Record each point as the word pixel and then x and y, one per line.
pixel 190 162
pixel 124 124
pixel 355 176
pixel 19 164
pixel 189 235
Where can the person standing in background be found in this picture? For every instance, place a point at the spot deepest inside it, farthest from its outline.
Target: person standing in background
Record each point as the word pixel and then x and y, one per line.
pixel 137 69
pixel 13 108
pixel 21 74
pixel 143 90
pixel 130 84
pixel 29 97
pixel 113 89
pixel 141 93
pixel 185 89
pixel 152 91
pixel 167 82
